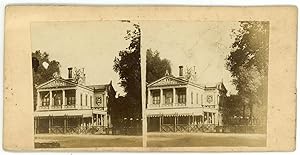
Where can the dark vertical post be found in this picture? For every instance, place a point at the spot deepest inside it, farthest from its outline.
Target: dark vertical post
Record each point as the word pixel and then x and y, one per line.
pixel 49 125
pixel 160 117
pixel 175 118
pixel 162 121
pixel 65 124
pixel 35 125
pixel 189 124
pixel 193 118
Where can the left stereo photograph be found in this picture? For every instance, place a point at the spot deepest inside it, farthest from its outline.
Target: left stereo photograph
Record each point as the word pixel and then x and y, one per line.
pixel 86 84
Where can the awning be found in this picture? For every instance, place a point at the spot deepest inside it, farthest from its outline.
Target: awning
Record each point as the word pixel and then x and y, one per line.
pixel 174 112
pixel 83 113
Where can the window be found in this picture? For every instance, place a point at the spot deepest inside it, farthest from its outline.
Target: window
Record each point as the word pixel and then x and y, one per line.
pixel 70 97
pixel 57 98
pixel 81 99
pixel 91 101
pixel 86 102
pixel 192 98
pixel 46 101
pixel 155 98
pixel 168 97
pixel 181 96
pixel 197 99
pixel 71 100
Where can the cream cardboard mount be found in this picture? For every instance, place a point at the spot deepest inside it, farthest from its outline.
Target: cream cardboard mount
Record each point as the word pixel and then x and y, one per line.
pixel 63 64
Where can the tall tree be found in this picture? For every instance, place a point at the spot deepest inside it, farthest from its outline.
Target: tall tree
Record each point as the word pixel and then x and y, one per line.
pixel 155 66
pixel 43 69
pixel 127 65
pixel 248 64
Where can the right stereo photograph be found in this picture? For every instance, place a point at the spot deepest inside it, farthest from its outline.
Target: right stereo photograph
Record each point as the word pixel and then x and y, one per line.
pixel 206 83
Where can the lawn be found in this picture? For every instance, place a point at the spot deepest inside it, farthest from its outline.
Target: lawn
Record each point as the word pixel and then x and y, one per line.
pixel 84 141
pixel 205 140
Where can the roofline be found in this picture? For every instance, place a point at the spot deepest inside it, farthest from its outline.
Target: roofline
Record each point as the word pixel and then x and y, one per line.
pixel 149 85
pixel 75 84
pixel 189 83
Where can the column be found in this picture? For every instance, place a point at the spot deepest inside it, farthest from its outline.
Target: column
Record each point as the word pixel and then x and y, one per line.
pixel 93 119
pixel 161 97
pixel 51 100
pixel 64 103
pixel 77 99
pixel 97 119
pixel 193 119
pixel 160 117
pixel 174 96
pixel 149 97
pixel 38 101
pixel 208 116
pixel 105 120
pixel 187 97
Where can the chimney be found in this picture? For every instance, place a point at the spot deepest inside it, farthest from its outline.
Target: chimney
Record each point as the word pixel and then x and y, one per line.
pixel 180 70
pixel 70 72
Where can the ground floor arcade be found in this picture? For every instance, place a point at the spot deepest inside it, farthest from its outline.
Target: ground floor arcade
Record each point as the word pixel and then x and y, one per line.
pixel 71 124
pixel 182 122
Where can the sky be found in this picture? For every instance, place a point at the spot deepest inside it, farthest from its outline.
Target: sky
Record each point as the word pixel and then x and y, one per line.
pixel 204 45
pixel 92 45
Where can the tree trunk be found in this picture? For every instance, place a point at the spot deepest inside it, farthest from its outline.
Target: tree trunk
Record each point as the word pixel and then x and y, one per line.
pixel 251 113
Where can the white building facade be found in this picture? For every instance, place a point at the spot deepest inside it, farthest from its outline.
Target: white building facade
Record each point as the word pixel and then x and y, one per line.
pixel 175 104
pixel 65 106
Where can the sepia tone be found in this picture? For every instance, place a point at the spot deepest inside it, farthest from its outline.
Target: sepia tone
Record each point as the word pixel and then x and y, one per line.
pixel 88 106
pixel 178 108
pixel 211 99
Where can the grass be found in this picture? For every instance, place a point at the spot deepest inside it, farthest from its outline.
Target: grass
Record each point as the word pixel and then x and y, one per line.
pixel 153 140
pixel 84 141
pixel 205 140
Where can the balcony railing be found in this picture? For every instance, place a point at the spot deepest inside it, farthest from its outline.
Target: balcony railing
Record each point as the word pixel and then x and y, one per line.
pixel 183 104
pixel 45 107
pixel 56 107
pixel 209 106
pixel 167 105
pixel 72 106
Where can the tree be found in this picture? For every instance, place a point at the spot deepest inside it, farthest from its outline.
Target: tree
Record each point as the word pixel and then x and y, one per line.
pixel 43 70
pixel 232 109
pixel 78 75
pixel 190 74
pixel 127 65
pixel 248 64
pixel 155 66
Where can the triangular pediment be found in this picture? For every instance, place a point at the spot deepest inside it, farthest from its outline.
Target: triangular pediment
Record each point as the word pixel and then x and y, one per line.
pixel 168 81
pixel 56 83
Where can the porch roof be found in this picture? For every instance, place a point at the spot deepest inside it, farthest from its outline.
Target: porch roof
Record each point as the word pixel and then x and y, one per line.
pixel 174 112
pixel 83 113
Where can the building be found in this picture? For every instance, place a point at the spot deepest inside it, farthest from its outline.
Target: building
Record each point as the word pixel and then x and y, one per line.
pixel 176 104
pixel 69 106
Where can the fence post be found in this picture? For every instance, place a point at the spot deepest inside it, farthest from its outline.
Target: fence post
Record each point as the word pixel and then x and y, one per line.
pixel 65 124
